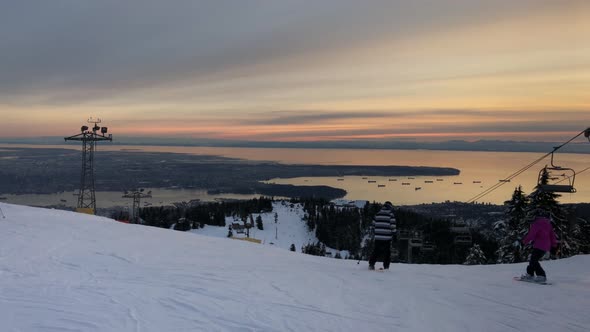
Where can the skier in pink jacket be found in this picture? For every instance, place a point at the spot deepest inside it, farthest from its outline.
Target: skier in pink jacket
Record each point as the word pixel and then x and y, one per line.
pixel 543 237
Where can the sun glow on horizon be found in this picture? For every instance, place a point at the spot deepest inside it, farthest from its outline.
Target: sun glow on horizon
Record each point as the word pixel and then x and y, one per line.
pixel 459 70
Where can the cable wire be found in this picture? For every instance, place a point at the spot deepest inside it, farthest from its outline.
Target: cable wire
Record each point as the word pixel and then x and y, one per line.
pixel 525 168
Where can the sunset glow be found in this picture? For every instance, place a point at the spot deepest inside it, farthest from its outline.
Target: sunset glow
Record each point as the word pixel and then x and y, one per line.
pixel 299 71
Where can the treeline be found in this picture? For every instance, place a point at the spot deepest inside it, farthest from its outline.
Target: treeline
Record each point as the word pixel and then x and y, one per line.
pixel 349 227
pixel 185 216
pixel 570 223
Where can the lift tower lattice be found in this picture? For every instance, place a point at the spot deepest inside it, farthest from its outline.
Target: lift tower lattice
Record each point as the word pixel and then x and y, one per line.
pixel 89 137
pixel 137 195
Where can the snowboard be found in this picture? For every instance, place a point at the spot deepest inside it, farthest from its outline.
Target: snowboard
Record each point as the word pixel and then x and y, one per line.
pixel 532 281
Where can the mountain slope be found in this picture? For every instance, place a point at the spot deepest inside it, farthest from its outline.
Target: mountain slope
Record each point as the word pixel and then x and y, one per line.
pixel 63 271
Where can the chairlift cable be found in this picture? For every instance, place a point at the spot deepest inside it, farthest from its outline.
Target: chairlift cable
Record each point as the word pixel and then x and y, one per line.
pixel 577 173
pixel 584 132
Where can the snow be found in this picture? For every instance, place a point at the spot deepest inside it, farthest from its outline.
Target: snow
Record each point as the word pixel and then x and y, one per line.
pixel 62 271
pixel 289 229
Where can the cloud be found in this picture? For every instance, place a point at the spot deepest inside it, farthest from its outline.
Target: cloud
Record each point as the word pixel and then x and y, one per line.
pixel 305 117
pixel 79 50
pixel 334 67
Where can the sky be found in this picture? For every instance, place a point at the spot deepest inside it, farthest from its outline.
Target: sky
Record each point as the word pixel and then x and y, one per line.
pixel 297 70
pixel 65 271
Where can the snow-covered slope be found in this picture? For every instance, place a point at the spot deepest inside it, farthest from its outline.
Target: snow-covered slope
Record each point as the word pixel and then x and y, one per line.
pixel 289 229
pixel 62 271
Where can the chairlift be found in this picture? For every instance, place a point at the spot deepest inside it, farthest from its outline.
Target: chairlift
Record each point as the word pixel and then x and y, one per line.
pixel 555 172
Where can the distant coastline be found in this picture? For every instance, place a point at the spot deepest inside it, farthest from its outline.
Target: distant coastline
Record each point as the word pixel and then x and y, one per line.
pixel 121 170
pixel 582 147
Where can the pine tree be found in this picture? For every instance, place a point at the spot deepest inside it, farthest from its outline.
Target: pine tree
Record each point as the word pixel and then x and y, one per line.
pixel 292 247
pixel 476 256
pixel 229 232
pixel 583 236
pixel 511 230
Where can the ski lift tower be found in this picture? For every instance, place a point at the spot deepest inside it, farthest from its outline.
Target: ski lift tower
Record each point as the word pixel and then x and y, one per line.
pixel 137 195
pixel 89 137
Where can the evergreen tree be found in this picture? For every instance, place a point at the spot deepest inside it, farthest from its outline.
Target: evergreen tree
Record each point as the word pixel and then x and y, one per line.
pixel 292 247
pixel 229 233
pixel 583 236
pixel 511 230
pixel 259 224
pixel 476 256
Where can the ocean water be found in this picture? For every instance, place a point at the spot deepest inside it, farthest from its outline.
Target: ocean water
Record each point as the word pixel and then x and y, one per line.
pixel 479 171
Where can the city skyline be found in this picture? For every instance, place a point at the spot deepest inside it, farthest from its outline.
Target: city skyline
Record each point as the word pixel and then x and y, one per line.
pixel 298 70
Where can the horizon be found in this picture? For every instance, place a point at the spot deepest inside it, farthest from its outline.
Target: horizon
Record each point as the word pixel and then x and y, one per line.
pixel 483 145
pixel 289 71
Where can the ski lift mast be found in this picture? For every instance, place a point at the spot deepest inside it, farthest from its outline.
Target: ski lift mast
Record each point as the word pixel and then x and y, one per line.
pixel 137 195
pixel 89 137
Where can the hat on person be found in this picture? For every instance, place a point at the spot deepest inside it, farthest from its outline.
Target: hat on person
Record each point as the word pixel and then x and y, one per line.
pixel 388 204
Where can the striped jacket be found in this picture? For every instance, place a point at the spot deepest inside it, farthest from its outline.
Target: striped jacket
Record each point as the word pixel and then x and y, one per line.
pixel 384 224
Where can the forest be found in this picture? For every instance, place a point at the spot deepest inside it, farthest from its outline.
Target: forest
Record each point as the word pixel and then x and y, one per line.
pixel 474 234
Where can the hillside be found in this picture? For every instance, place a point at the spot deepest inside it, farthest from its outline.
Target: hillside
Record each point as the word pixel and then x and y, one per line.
pixel 289 229
pixel 62 271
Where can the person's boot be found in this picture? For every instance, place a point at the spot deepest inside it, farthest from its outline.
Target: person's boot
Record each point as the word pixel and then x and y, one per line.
pixel 527 277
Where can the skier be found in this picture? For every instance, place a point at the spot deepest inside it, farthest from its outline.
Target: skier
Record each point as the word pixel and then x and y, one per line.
pixel 384 228
pixel 543 237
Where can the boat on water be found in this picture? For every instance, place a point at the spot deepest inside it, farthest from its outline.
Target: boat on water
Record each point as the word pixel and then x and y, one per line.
pixel 439 179
pixel 364 177
pixel 340 179
pixel 405 183
pixel 428 181
pixel 380 185
pixel 476 181
pixel 457 182
pixel 372 181
pixel 417 188
pixel 410 178
pixel 392 179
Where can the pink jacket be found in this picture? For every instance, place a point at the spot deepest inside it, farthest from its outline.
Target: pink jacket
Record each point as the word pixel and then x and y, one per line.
pixel 541 234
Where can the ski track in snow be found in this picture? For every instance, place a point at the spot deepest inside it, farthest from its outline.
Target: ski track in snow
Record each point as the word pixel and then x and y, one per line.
pixel 62 271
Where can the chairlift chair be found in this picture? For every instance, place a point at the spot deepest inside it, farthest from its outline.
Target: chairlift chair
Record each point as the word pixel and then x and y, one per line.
pixel 555 172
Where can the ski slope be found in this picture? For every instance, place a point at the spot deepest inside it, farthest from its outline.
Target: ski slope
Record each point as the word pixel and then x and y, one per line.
pixel 62 271
pixel 290 228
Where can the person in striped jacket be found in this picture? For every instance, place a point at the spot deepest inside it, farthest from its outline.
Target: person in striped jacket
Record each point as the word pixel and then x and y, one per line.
pixel 384 229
